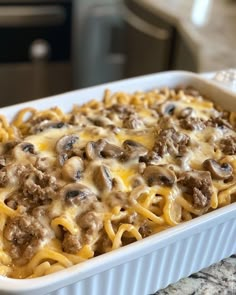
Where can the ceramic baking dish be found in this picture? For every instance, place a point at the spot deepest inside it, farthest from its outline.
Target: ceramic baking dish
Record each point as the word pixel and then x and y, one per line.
pixel 148 265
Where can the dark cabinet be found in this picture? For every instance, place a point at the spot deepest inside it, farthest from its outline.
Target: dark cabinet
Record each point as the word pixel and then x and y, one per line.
pixel 153 44
pixel 183 56
pixel 35 49
pixel 149 41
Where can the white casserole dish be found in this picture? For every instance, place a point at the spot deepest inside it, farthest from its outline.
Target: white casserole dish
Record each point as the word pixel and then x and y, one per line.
pixel 153 263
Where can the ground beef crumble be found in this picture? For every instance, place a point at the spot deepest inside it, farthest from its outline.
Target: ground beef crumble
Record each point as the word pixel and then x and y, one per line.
pixel 152 158
pixel 71 243
pixel 228 145
pixel 34 188
pixel 145 230
pixel 37 185
pixel 25 234
pixel 90 224
pixel 132 122
pixel 3 178
pixel 219 122
pixel 172 142
pixel 199 185
pixel 191 123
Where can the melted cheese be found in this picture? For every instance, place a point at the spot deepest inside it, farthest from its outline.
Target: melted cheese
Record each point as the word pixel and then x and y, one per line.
pixel 144 137
pixel 125 174
pixel 45 141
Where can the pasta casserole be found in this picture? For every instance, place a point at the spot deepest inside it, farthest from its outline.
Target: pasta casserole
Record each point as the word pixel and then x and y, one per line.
pixel 79 184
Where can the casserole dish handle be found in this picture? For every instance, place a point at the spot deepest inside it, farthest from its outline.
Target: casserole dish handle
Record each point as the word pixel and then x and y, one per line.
pixel 226 78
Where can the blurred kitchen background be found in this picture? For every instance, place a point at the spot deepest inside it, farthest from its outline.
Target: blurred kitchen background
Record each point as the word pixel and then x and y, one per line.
pixel 52 46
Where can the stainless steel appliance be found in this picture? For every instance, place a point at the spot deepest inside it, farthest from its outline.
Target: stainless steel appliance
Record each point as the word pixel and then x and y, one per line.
pixel 35 49
pixel 98 42
pixel 149 40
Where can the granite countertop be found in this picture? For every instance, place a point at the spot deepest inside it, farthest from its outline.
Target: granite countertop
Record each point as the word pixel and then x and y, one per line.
pixel 207 26
pixel 219 278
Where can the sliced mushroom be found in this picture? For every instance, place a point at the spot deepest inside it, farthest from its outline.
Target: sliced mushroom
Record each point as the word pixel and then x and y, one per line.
pixel 112 151
pixel 151 158
pixel 133 122
pixel 90 150
pixel 102 178
pixel 102 148
pixel 133 149
pixel 62 158
pixel 184 113
pixel 27 147
pixel 218 171
pixel 159 175
pixel 141 167
pixel 114 129
pixel 117 184
pixel 44 163
pixel 101 121
pixel 73 168
pixel 2 162
pixel 137 180
pixel 65 143
pixel 93 149
pixel 44 125
pixel 76 193
pixel 167 109
pixel 24 150
pixel 7 147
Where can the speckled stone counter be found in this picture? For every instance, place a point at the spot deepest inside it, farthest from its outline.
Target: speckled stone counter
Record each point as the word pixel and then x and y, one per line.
pixel 207 26
pixel 219 278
